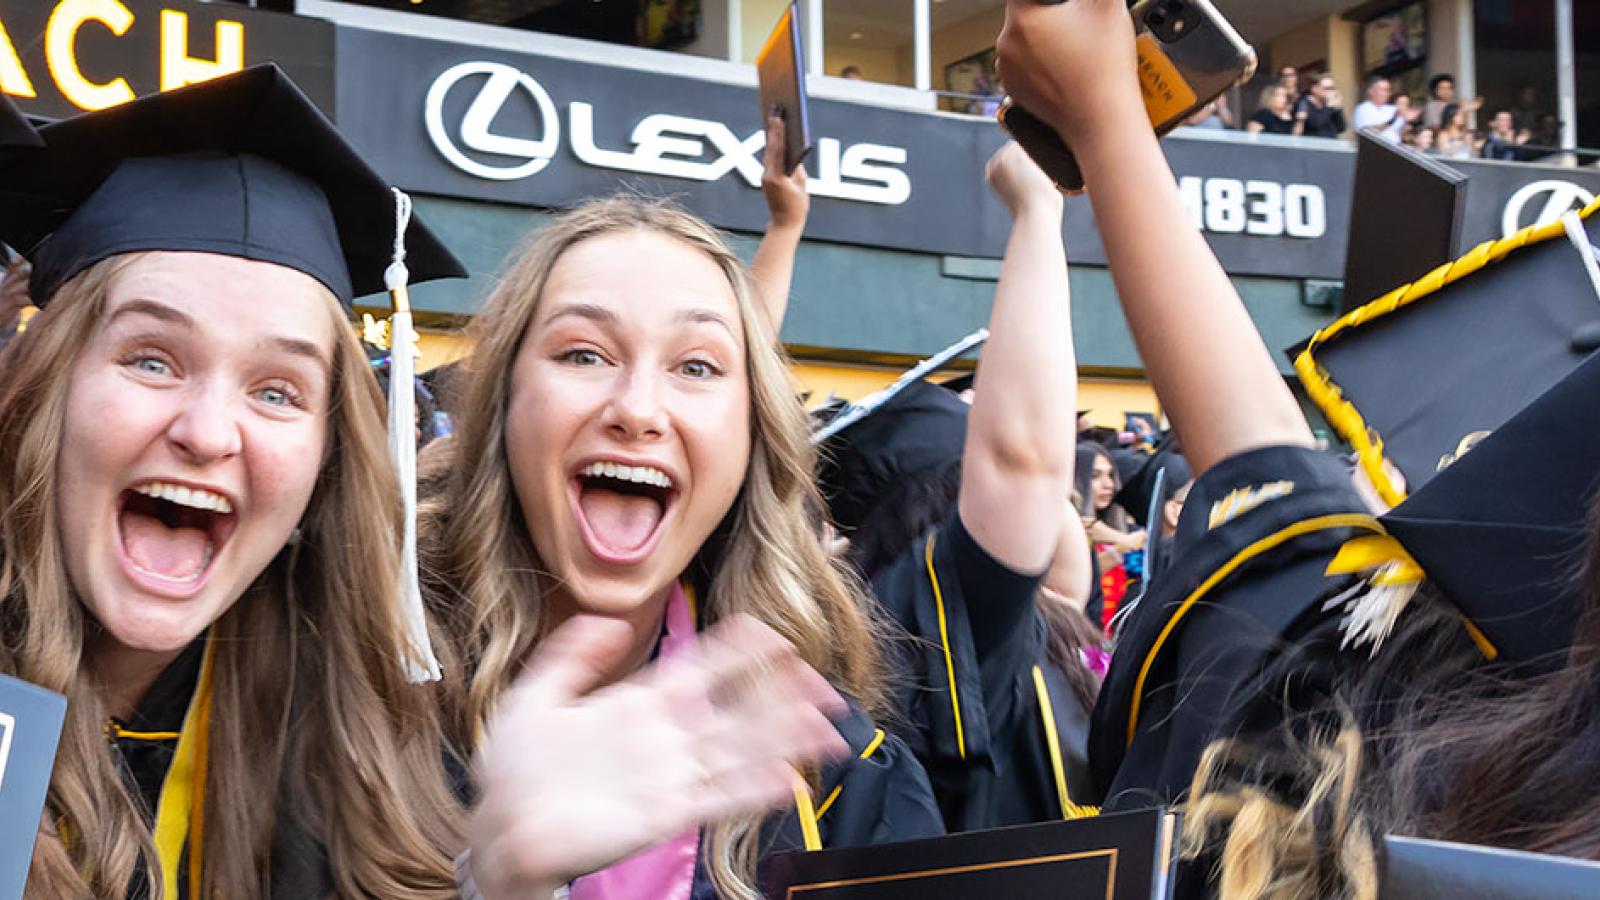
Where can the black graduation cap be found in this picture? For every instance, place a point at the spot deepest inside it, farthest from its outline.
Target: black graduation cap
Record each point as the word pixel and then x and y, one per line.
pixel 1413 379
pixel 921 428
pixel 1139 488
pixel 243 165
pixel 961 383
pixel 15 129
pixel 1503 528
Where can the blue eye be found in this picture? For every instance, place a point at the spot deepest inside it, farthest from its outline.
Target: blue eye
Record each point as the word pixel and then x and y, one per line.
pixel 697 369
pixel 582 357
pixel 152 366
pixel 274 396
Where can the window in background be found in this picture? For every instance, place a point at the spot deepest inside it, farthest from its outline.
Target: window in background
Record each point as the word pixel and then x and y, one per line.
pixel 872 40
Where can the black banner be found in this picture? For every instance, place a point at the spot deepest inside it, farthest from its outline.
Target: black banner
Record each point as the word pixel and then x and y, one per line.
pixel 519 128
pixel 61 57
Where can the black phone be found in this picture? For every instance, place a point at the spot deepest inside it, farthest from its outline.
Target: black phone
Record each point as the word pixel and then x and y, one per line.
pixel 1189 55
pixel 781 72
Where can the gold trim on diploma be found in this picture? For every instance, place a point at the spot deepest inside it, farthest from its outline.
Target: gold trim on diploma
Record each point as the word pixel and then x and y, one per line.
pixel 1111 877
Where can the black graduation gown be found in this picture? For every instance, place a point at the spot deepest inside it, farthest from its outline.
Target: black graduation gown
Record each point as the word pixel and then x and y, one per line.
pixel 299 862
pixel 878 794
pixel 1235 631
pixel 965 685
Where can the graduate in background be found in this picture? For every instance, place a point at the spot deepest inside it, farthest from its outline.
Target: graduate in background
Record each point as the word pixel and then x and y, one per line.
pixel 956 520
pixel 201 535
pixel 1432 673
pixel 629 448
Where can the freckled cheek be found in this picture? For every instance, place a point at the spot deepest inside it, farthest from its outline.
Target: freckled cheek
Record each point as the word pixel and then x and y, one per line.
pixel 716 435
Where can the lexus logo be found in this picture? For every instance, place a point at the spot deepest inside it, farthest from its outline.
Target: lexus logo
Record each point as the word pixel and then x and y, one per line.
pixel 532 155
pixel 1550 200
pixel 660 144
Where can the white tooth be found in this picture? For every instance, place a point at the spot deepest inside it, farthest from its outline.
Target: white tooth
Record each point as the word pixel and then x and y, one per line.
pixel 639 475
pixel 223 506
pixel 168 492
pixel 185 497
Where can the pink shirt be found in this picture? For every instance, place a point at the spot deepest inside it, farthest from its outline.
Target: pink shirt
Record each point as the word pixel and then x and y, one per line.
pixel 665 871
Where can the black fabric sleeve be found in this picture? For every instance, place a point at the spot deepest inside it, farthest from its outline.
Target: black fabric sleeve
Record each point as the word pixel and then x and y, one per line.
pixel 1001 600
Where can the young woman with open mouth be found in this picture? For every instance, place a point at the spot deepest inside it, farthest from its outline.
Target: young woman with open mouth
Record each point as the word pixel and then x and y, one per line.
pixel 632 449
pixel 199 524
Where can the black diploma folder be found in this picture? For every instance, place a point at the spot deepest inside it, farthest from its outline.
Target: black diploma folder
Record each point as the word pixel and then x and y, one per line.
pixel 30 727
pixel 1128 856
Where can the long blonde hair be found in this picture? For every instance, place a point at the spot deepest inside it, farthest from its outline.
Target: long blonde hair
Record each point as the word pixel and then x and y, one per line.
pixel 312 719
pixel 766 559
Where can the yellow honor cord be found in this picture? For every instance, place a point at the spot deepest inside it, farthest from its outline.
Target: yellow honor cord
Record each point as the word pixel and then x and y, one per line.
pixel 180 812
pixel 806 812
pixel 1069 810
pixel 944 640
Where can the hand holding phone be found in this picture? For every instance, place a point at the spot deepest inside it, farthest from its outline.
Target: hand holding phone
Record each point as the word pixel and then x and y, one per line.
pixel 1186 55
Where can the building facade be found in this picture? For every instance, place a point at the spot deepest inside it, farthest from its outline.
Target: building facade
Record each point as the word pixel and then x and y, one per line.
pixel 494 113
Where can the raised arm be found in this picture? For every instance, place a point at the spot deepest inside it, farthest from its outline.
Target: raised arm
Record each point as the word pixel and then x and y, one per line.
pixel 788 204
pixel 1018 464
pixel 1074 65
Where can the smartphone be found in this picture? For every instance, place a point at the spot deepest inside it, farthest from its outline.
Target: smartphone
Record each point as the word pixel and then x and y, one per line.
pixel 781 73
pixel 1188 56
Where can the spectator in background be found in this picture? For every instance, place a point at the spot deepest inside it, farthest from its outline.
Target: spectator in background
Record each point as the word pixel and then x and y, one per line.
pixel 1114 535
pixel 1503 141
pixel 1527 111
pixel 1320 113
pixel 1379 112
pixel 1288 79
pixel 852 72
pixel 1276 117
pixel 1442 93
pixel 1454 140
pixel 1214 115
pixel 1424 139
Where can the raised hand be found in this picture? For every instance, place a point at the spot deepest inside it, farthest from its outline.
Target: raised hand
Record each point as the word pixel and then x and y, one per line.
pixel 573 776
pixel 787 200
pixel 1019 182
pixel 1071 64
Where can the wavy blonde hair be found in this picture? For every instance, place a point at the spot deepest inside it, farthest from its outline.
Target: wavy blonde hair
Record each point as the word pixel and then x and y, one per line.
pixel 766 559
pixel 313 720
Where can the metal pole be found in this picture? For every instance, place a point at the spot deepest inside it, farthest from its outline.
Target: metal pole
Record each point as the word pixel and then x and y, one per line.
pixel 735 31
pixel 1566 76
pixel 922 39
pixel 813 35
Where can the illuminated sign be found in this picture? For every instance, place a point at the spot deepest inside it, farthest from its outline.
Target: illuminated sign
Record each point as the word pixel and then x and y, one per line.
pixel 673 146
pixel 64 57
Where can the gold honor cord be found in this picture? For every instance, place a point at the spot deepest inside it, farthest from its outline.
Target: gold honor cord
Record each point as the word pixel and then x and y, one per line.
pixel 1329 397
pixel 1307 526
pixel 944 640
pixel 180 812
pixel 1052 737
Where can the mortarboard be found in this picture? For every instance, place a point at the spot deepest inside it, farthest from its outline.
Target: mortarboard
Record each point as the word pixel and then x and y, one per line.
pixel 911 426
pixel 1396 183
pixel 15 129
pixel 1502 530
pixel 243 165
pixel 1138 495
pixel 1416 377
pixel 921 428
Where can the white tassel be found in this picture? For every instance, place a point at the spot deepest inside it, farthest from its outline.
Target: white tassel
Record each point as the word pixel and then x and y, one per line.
pixel 1372 607
pixel 420 663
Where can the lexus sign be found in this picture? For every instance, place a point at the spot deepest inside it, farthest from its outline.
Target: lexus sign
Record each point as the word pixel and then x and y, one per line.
pixel 664 144
pixel 1541 203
